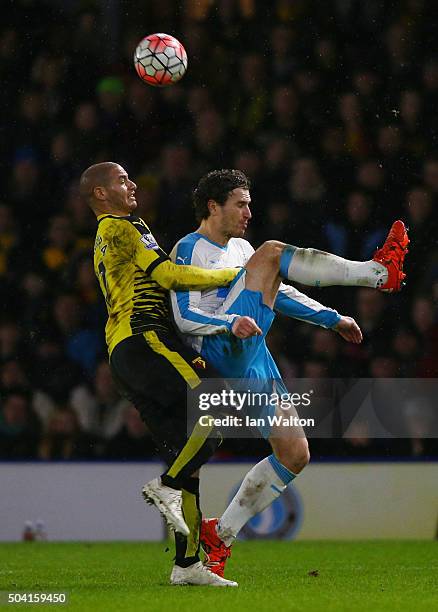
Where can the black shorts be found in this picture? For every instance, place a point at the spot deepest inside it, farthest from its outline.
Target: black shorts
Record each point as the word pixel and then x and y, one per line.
pixel 152 370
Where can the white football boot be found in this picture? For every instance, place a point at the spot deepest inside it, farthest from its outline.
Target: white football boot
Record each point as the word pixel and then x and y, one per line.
pixel 168 502
pixel 198 574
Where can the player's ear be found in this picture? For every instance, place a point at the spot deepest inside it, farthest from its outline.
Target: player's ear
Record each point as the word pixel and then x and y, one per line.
pixel 212 207
pixel 99 192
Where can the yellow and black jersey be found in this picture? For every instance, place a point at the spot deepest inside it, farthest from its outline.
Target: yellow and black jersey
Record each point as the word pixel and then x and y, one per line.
pixel 125 254
pixel 134 274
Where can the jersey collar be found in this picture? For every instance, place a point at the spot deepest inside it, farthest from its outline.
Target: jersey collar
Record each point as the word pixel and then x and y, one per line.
pixel 106 215
pixel 216 244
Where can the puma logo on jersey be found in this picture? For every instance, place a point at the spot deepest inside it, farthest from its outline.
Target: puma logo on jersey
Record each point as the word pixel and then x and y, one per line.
pixel 199 363
pixel 182 259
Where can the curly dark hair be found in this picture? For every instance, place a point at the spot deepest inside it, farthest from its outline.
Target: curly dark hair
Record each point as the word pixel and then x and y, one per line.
pixel 217 185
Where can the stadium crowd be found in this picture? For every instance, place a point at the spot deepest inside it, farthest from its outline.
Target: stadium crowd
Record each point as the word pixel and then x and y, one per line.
pixel 329 108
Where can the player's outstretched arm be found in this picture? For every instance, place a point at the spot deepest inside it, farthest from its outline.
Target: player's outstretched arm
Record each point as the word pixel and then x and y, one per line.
pixel 172 276
pixel 298 305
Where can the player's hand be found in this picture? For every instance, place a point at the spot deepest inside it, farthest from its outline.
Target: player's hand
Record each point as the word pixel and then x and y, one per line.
pixel 245 327
pixel 349 330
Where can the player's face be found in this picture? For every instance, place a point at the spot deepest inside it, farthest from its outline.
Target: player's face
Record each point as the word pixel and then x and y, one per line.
pixel 121 191
pixel 235 214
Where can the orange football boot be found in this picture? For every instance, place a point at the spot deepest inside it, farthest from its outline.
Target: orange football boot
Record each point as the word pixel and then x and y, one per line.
pixel 216 551
pixel 392 255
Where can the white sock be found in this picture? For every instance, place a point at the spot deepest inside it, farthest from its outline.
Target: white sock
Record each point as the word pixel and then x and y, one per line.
pixel 320 269
pixel 263 483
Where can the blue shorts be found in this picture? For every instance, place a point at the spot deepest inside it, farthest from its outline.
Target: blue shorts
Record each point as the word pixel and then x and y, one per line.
pixel 234 357
pixel 247 359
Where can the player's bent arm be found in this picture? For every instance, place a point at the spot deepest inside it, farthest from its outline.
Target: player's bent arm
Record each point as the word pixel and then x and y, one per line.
pixel 171 276
pixel 297 305
pixel 190 319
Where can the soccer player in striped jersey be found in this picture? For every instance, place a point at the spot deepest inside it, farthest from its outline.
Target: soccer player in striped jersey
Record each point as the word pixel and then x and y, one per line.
pixel 219 321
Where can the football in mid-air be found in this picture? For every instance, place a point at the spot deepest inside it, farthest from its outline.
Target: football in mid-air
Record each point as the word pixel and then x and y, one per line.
pixel 160 60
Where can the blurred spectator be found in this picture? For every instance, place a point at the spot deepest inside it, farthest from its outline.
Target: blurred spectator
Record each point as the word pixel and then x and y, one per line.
pixel 64 438
pixel 372 318
pixel 47 73
pixel 315 368
pixel 278 347
pixel 30 129
pixel 15 378
pixel 422 233
pixel 26 193
pixel 133 441
pixel 336 165
pixel 309 86
pixel 59 245
pixel 174 192
pixel 82 219
pixel 356 137
pixel 81 344
pixel 370 178
pixel 394 158
pixel 307 191
pixel 53 372
pixel 406 348
pixel 9 240
pixel 367 84
pixel 358 236
pixel 11 341
pixel 87 137
pixel 99 409
pixel 430 89
pixel 63 167
pixel 399 53
pixel 209 139
pixel 412 123
pixel 285 120
pixel 326 345
pixel 424 320
pixel 249 103
pixel 357 441
pixel 141 133
pixel 283 60
pixel 430 178
pixel 383 366
pixel 19 427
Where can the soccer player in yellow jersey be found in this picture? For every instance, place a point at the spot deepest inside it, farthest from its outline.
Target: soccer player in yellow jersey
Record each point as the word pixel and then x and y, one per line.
pixel 150 365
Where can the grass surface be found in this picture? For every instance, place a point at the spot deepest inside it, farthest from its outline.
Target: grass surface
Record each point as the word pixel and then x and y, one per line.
pixel 273 576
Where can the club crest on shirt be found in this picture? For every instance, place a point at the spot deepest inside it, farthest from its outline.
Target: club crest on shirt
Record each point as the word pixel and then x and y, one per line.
pixel 199 363
pixel 149 241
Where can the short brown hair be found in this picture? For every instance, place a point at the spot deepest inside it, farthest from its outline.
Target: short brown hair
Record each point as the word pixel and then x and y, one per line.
pixel 217 185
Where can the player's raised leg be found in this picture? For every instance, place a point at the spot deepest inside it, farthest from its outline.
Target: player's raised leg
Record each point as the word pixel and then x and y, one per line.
pixel 317 268
pixel 384 271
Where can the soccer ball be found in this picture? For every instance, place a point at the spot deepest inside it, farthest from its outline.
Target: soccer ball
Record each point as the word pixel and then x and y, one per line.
pixel 160 60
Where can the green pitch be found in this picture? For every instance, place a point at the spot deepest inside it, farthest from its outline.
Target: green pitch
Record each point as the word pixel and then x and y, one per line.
pixel 274 576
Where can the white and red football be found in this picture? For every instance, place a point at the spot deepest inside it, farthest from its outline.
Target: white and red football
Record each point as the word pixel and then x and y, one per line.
pixel 160 60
